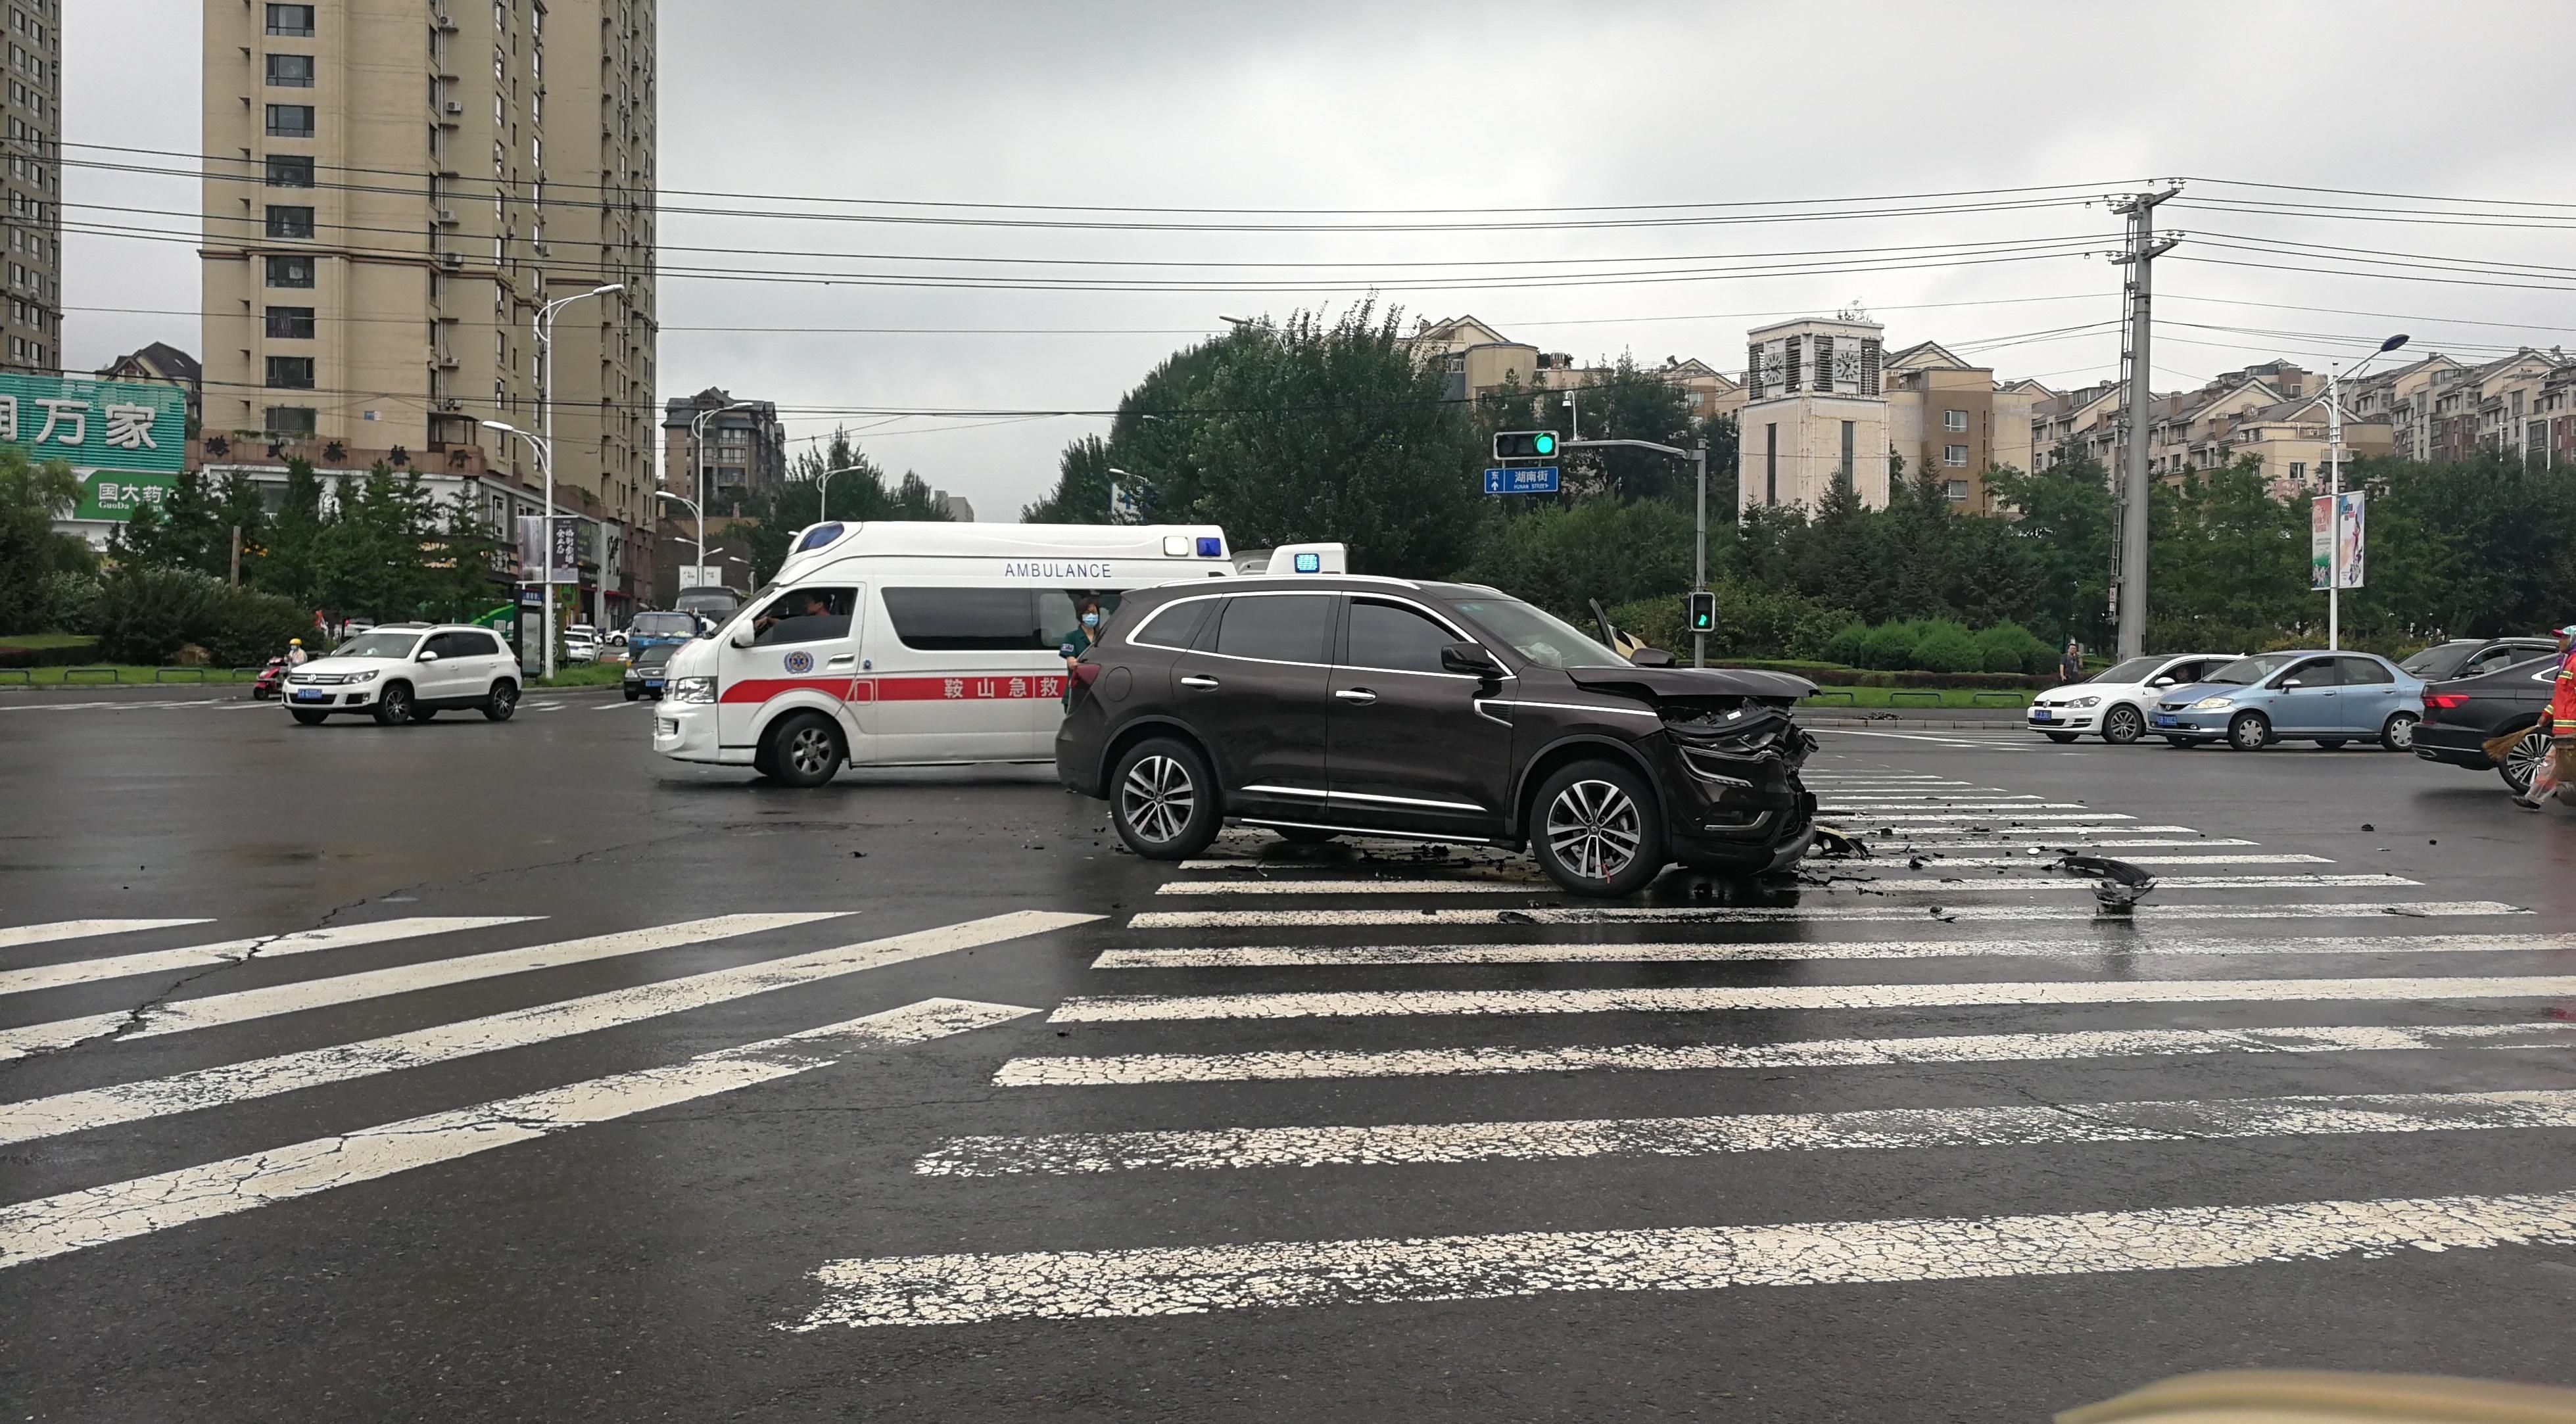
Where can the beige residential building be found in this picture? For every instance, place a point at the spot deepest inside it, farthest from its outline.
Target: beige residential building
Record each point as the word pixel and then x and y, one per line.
pixel 1477 359
pixel 2081 424
pixel 374 266
pixel 1953 418
pixel 35 188
pixel 1815 416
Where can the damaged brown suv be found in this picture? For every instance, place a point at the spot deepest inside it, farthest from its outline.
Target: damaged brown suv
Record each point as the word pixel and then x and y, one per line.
pixel 1342 705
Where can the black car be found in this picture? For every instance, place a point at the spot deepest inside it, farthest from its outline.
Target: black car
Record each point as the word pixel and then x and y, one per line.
pixel 2472 657
pixel 1322 706
pixel 2461 714
pixel 645 668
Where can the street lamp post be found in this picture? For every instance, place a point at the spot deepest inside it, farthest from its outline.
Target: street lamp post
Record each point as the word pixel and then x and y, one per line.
pixel 702 521
pixel 698 463
pixel 823 491
pixel 545 453
pixel 2334 487
pixel 546 419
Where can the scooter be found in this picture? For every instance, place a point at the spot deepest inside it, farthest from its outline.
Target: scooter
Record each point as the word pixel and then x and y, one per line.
pixel 270 678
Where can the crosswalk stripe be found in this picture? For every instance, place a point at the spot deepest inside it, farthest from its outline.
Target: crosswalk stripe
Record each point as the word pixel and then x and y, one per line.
pixel 1167 1008
pixel 1318 885
pixel 492 1033
pixel 965 1289
pixel 96 1216
pixel 85 971
pixel 180 1015
pixel 1951 817
pixel 1431 917
pixel 14 936
pixel 2018 884
pixel 1997 843
pixel 1296 956
pixel 1904 829
pixel 1865 807
pixel 2009 861
pixel 1128 1070
pixel 1997 799
pixel 1879 1129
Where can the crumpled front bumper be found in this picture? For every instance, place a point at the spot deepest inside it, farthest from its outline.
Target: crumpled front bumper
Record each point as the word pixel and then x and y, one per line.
pixel 1732 797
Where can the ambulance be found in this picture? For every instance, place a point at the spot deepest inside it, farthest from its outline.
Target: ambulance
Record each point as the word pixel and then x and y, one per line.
pixel 903 643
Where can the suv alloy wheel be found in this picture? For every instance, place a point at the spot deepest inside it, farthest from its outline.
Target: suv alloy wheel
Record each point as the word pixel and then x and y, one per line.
pixel 1163 800
pixel 1597 829
pixel 2122 725
pixel 503 701
pixel 2522 760
pixel 394 704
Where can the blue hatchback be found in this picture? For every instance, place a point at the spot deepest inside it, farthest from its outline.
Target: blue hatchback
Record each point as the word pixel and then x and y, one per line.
pixel 2328 698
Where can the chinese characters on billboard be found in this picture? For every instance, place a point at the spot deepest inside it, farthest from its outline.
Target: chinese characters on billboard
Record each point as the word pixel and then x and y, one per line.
pixel 126 440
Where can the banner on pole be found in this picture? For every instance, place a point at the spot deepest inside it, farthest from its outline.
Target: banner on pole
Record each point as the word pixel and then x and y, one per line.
pixel 2335 562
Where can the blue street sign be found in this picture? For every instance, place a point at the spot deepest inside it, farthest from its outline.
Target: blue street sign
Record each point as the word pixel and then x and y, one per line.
pixel 1539 479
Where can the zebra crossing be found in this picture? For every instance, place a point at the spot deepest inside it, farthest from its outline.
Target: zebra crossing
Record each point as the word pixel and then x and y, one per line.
pixel 1242 1020
pixel 272 1172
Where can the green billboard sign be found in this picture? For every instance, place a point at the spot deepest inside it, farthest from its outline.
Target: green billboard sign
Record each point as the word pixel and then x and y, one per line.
pixel 128 440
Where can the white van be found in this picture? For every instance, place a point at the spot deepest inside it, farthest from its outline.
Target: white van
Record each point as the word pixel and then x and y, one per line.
pixel 909 644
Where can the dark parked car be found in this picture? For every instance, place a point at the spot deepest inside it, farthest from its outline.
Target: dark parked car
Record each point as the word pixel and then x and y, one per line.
pixel 2464 712
pixel 1322 706
pixel 645 669
pixel 2472 657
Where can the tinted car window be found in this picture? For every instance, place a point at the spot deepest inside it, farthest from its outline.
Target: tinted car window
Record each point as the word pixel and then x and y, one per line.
pixel 658 625
pixel 1539 636
pixel 2315 672
pixel 378 645
pixel 804 615
pixel 1176 626
pixel 965 619
pixel 1395 638
pixel 2134 670
pixel 2363 672
pixel 2245 672
pixel 654 655
pixel 2438 661
pixel 1286 628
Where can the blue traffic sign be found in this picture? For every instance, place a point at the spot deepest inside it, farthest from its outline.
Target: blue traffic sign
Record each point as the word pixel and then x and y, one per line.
pixel 1540 479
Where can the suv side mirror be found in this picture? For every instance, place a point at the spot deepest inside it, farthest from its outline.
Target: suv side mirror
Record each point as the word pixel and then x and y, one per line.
pixel 1651 658
pixel 1469 658
pixel 2162 682
pixel 426 657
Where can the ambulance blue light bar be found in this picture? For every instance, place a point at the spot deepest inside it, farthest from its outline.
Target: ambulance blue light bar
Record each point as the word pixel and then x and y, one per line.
pixel 1211 548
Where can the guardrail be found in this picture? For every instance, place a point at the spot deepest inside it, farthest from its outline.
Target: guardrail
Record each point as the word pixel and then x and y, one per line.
pixel 160 674
pixel 1904 692
pixel 237 674
pixel 112 674
pixel 2010 699
pixel 26 676
pixel 1849 699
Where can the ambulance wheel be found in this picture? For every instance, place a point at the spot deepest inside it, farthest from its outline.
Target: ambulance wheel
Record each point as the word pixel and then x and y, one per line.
pixel 804 749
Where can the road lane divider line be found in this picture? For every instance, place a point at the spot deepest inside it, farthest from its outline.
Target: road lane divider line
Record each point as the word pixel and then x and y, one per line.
pixel 242 1006
pixel 1304 956
pixel 97 1216
pixel 1514 870
pixel 1291 1065
pixel 1968 884
pixel 159 961
pixel 13 936
pixel 1314 885
pixel 1953 817
pixel 2000 798
pixel 1910 846
pixel 1872 1129
pixel 1394 1003
pixel 971 1289
pixel 1431 917
pixel 230 1083
pixel 1904 830
pixel 1465 885
pixel 1865 807
pixel 2026 861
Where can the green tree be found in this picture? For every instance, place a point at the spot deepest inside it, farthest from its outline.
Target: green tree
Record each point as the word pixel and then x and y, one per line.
pixel 2228 563
pixel 2061 523
pixel 1562 558
pixel 1623 401
pixel 185 531
pixel 856 492
pixel 1083 487
pixel 32 497
pixel 287 562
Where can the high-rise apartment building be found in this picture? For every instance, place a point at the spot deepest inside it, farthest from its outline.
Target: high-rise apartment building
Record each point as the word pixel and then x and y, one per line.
pixel 35 187
pixel 394 189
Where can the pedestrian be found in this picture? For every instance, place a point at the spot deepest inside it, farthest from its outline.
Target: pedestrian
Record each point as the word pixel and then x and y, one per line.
pixel 295 654
pixel 2556 772
pixel 1084 637
pixel 2070 667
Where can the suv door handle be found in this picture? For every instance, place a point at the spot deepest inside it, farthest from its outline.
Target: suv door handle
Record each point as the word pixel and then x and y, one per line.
pixel 1198 680
pixel 1360 695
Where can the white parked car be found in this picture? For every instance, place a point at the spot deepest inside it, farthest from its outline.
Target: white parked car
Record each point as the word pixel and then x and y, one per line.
pixel 409 672
pixel 2114 703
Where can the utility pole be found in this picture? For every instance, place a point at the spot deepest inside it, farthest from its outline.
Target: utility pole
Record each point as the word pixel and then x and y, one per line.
pixel 236 578
pixel 2129 511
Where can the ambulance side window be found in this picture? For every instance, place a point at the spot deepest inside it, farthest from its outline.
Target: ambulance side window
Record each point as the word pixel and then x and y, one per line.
pixel 965 619
pixel 804 615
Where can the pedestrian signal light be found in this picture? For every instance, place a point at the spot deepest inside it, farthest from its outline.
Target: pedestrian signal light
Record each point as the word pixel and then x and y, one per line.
pixel 1702 610
pixel 1524 444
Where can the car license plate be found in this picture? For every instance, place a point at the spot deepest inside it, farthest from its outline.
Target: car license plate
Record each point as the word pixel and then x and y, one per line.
pixel 2042 714
pixel 2161 720
pixel 312 696
pixel 652 684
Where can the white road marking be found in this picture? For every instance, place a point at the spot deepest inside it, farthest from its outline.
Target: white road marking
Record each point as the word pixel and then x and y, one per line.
pixel 1969 884
pixel 1880 1129
pixel 2003 798
pixel 1433 917
pixel 492 1033
pixel 97 1216
pixel 1190 1280
pixel 1316 885
pixel 1126 1070
pixel 14 936
pixel 1950 808
pixel 2010 861
pixel 1299 956
pixel 180 1015
pixel 1167 1008
pixel 1998 843
pixel 84 971
pixel 1968 742
pixel 1905 828
pixel 1286 871
pixel 1951 817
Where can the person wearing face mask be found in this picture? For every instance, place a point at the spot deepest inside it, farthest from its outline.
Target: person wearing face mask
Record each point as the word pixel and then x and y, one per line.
pixel 1084 637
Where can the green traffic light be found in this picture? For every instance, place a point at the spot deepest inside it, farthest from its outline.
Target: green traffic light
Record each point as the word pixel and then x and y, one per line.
pixel 1546 443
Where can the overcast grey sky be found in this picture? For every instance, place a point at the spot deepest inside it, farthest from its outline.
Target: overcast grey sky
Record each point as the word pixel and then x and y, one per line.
pixel 1361 105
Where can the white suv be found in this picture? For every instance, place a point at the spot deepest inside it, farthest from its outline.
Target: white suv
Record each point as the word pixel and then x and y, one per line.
pixel 2114 703
pixel 408 672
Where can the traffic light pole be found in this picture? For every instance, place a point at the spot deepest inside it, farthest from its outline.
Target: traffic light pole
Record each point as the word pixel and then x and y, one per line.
pixel 1699 467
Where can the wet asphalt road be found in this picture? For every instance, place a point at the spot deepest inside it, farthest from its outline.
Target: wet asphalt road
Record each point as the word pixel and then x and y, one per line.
pixel 626 1239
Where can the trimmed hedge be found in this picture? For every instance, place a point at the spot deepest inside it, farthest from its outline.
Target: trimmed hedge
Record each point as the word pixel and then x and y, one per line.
pixel 68 655
pixel 146 615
